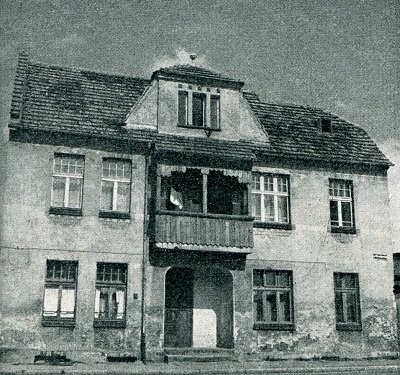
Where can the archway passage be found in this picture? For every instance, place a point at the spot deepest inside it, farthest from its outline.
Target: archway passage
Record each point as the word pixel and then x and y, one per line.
pixel 198 308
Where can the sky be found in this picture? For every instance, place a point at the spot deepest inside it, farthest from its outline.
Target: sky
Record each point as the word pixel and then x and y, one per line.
pixel 338 55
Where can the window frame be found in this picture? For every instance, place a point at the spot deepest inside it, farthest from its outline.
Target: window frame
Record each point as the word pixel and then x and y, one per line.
pixel 111 285
pixel 114 213
pixel 261 193
pixel 186 110
pixel 65 209
pixel 347 325
pixel 340 228
pixel 280 324
pixel 60 284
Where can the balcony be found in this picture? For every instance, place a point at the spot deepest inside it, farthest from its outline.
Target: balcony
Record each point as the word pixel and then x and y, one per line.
pixel 208 232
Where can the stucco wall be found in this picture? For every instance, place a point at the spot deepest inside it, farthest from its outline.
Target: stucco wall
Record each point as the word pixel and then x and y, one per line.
pixel 31 236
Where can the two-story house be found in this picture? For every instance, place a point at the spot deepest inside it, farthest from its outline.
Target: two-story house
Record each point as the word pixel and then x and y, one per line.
pixel 183 215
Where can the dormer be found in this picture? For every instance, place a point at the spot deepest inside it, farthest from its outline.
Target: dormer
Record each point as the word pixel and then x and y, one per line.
pixel 193 101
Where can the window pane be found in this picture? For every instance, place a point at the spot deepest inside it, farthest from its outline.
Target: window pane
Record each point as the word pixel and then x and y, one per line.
pixel 50 301
pixel 75 189
pixel 271 308
pixel 67 303
pixel 284 279
pixel 123 197
pixel 268 183
pixel 349 281
pixel 282 184
pixel 351 301
pixel 258 306
pixel 339 307
pixel 346 214
pixel 256 182
pixel 182 107
pixel 256 206
pixel 269 208
pixel 58 191
pixel 283 210
pixel 198 110
pixel 270 278
pixel 285 306
pixel 107 189
pixel 120 300
pixel 215 112
pixel 334 213
pixel 258 277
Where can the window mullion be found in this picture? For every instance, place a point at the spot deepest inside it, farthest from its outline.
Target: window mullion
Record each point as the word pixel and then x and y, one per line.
pixel 275 188
pixel 59 301
pixel 262 199
pixel 340 218
pixel 189 109
pixel 344 303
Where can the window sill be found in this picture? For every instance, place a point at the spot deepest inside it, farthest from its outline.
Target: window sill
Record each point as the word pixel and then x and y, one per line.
pixel 67 323
pixel 67 211
pixel 99 323
pixel 273 327
pixel 346 230
pixel 208 128
pixel 114 215
pixel 265 225
pixel 349 327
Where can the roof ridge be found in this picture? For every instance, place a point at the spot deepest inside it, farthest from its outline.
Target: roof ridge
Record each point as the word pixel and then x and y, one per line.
pixel 79 70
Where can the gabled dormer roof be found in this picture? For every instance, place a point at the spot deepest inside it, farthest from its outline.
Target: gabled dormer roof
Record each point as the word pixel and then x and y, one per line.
pixel 197 75
pixel 73 101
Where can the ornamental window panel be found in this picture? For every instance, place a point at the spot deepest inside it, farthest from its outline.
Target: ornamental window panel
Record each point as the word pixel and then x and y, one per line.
pixel 273 299
pixel 110 300
pixel 347 301
pixel 270 198
pixel 341 204
pixel 67 182
pixel 215 111
pixel 199 110
pixel 116 186
pixel 183 104
pixel 60 293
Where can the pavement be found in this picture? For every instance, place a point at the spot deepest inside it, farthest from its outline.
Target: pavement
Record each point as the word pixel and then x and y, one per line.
pixel 370 366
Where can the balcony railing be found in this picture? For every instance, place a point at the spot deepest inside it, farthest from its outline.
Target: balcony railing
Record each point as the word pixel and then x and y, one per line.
pixel 204 229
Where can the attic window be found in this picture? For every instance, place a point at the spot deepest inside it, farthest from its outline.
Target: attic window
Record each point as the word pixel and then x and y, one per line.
pixel 326 125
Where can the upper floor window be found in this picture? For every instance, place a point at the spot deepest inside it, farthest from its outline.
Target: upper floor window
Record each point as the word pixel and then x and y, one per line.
pixel 341 206
pixel 66 197
pixel 115 188
pixel 110 304
pixel 270 200
pixel 273 299
pixel 347 301
pixel 199 110
pixel 60 293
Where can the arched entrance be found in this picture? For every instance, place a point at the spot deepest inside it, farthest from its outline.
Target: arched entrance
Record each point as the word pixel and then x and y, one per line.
pixel 198 308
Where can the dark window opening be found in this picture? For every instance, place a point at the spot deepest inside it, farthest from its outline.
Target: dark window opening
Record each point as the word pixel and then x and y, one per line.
pixel 182 191
pixel 226 195
pixel 215 112
pixel 182 108
pixel 199 110
pixel 326 125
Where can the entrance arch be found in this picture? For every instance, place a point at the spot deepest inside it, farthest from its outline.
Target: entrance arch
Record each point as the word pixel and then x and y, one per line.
pixel 198 308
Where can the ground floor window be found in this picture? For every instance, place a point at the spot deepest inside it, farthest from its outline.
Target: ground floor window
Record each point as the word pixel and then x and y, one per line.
pixel 110 304
pixel 273 299
pixel 60 293
pixel 347 301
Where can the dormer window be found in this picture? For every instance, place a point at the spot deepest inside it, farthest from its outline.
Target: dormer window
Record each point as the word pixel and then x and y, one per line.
pixel 199 110
pixel 326 125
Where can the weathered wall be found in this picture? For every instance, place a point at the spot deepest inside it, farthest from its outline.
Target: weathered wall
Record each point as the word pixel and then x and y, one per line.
pixel 313 253
pixel 31 235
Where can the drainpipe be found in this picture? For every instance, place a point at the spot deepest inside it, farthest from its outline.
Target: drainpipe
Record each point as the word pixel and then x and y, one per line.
pixel 145 259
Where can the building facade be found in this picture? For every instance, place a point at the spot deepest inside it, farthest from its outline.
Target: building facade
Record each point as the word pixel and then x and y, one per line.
pixel 150 218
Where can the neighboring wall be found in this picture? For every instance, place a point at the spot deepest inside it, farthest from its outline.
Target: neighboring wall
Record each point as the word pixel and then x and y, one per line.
pixel 31 236
pixel 313 253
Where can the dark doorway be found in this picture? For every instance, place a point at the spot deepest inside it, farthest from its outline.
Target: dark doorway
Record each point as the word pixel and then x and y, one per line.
pixel 179 307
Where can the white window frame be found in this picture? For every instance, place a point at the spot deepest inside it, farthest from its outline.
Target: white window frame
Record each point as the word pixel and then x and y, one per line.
pixel 261 193
pixel 340 199
pixel 116 181
pixel 67 176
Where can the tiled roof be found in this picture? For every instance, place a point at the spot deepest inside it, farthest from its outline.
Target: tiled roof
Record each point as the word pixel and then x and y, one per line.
pixel 82 102
pixel 196 74
pixel 294 132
